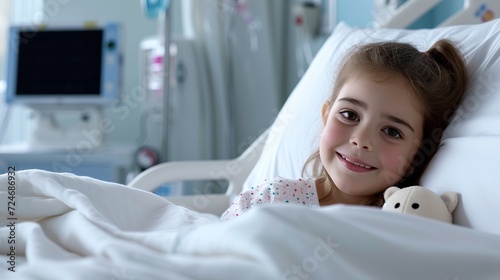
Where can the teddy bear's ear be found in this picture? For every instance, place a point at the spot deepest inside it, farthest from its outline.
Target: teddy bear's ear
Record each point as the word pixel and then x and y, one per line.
pixel 389 191
pixel 451 200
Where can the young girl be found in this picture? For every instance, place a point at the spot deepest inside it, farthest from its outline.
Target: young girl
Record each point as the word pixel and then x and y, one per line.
pixel 381 125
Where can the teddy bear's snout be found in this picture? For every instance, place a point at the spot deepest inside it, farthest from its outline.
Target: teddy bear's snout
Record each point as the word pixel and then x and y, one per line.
pixel 413 205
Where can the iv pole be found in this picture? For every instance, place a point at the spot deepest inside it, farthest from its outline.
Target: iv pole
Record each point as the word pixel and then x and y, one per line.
pixel 161 9
pixel 164 153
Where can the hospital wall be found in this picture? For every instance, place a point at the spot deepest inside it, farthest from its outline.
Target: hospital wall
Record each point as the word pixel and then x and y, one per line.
pixel 256 74
pixel 266 76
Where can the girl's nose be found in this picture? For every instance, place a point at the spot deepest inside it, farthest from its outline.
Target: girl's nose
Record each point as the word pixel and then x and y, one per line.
pixel 361 140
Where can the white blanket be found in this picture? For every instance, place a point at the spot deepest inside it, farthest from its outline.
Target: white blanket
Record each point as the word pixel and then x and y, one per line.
pixel 71 227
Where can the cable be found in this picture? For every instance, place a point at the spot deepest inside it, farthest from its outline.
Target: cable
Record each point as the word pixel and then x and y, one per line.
pixel 4 124
pixel 230 83
pixel 306 46
pixel 145 115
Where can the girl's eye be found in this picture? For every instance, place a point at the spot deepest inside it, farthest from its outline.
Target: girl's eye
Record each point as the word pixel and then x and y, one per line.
pixel 392 132
pixel 348 115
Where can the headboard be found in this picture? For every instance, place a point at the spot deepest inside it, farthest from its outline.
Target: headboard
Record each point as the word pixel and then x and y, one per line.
pixel 466 163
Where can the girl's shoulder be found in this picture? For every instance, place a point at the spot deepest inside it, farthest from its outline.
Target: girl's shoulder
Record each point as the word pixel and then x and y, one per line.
pixel 280 181
pixel 301 181
pixel 278 190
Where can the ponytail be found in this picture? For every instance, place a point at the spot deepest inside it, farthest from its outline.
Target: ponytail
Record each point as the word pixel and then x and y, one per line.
pixel 452 72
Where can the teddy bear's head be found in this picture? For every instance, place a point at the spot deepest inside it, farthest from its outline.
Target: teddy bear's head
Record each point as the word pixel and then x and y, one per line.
pixel 421 201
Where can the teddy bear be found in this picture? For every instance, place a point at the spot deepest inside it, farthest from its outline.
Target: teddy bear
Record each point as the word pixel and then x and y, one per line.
pixel 421 201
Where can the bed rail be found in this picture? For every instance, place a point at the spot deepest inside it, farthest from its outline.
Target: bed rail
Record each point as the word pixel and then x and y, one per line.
pixel 235 171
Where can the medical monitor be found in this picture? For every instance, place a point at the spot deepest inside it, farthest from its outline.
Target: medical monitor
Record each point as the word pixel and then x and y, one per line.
pixel 63 65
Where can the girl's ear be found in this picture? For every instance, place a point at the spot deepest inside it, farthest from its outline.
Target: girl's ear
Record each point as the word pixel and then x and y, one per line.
pixel 325 110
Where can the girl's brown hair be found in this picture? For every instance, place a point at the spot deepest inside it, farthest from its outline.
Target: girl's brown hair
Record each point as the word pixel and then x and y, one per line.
pixel 438 77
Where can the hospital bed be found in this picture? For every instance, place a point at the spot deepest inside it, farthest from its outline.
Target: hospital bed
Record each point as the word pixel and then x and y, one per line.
pixel 468 143
pixel 89 229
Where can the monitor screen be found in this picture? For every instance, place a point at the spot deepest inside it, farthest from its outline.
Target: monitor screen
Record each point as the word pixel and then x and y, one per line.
pixel 63 65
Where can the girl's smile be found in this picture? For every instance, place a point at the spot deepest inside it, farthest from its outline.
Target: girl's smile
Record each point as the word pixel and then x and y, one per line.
pixel 354 164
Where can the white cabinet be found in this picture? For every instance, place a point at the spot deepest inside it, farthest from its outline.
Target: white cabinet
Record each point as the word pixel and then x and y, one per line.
pixel 111 163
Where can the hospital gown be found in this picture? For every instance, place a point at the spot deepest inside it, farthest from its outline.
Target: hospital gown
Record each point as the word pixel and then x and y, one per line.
pixel 280 190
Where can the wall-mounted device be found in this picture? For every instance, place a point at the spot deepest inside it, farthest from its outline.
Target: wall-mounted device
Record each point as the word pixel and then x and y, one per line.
pixel 63 64
pixel 401 15
pixel 474 12
pixel 67 74
pixel 316 17
pixel 328 16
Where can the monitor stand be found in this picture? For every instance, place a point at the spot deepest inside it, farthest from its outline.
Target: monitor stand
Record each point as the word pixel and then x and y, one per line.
pixel 78 127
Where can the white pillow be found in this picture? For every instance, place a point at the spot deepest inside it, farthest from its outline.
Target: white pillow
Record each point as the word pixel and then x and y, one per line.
pixel 468 161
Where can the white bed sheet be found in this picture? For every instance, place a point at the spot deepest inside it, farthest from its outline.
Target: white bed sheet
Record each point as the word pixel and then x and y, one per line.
pixel 89 229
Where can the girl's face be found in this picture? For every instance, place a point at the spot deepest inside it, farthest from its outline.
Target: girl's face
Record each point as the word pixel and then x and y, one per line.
pixel 371 133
